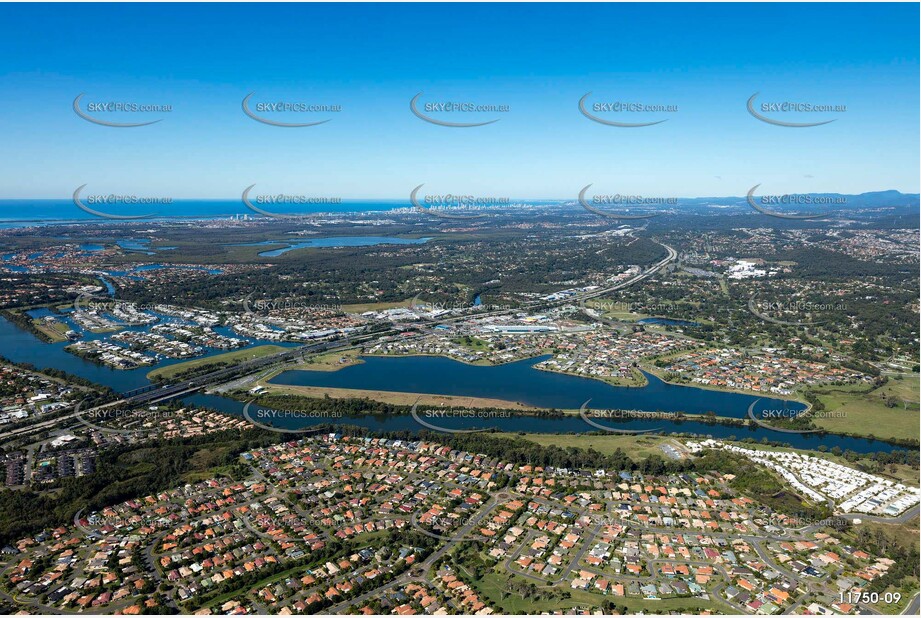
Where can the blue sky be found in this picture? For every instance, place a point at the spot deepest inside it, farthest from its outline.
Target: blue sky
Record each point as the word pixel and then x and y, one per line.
pixel 537 59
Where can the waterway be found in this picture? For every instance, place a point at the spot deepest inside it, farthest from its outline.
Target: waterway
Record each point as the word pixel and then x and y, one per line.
pixel 335 241
pixel 520 382
pixel 513 382
pixel 564 424
pixel 23 347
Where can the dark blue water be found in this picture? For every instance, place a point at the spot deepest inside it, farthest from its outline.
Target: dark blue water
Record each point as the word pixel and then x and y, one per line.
pixel 123 273
pixel 43 212
pixel 135 245
pixel 146 267
pixel 64 210
pixel 566 424
pixel 22 346
pixel 337 241
pixel 439 377
pixel 520 382
pixel 110 289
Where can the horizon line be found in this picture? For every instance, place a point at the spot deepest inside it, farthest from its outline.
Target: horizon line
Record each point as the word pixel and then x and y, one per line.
pixel 547 199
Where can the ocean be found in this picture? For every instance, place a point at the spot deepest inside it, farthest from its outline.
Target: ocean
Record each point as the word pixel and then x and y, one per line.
pixel 28 212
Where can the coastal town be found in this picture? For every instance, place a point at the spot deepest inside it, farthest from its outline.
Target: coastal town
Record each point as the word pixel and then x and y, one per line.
pixel 617 355
pixel 342 524
pixel 298 317
pixel 200 509
pixel 124 335
pixel 328 521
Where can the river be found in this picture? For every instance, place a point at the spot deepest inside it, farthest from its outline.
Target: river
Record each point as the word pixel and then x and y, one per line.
pixel 514 382
pixel 520 382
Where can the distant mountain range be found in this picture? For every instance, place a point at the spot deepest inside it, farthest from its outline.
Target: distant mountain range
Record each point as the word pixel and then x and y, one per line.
pixel 872 199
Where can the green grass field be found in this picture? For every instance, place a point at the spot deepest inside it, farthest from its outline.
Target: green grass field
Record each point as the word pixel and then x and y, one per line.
pixel 471 343
pixel 362 307
pixel 227 358
pixel 55 330
pixel 493 586
pixel 638 447
pixel 868 413
pixel 334 361
pixel 635 446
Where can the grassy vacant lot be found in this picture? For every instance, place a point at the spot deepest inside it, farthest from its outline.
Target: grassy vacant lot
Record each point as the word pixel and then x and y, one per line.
pixel 622 314
pixel 639 447
pixel 868 414
pixel 207 463
pixel 334 361
pixel 393 397
pixel 494 587
pixel 227 358
pixel 635 446
pixel 362 307
pixel 471 342
pixel 55 330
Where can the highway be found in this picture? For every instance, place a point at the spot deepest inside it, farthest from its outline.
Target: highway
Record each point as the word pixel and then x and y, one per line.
pixel 671 255
pixel 155 393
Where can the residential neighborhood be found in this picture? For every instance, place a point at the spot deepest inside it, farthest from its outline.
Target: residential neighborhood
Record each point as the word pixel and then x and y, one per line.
pixel 335 524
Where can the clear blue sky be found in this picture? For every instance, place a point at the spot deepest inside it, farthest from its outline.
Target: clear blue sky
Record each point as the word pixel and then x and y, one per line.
pixel 537 59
